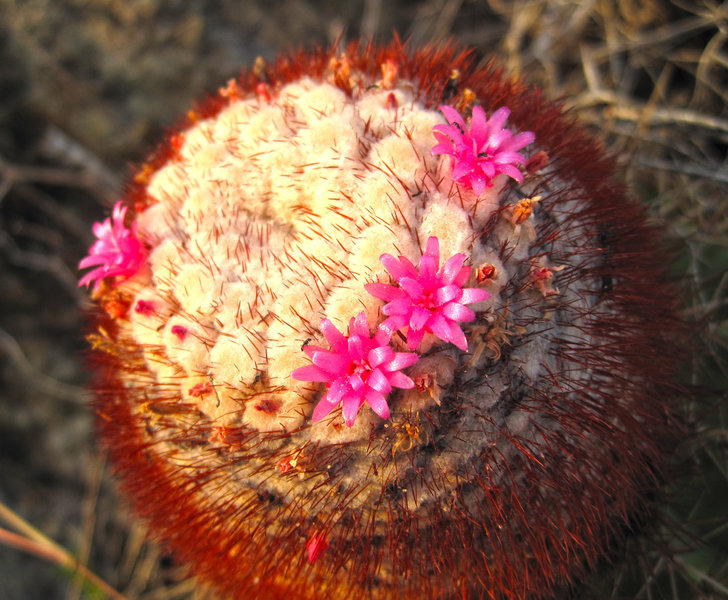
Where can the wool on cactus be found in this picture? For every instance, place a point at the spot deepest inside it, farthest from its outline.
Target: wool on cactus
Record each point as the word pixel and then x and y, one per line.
pixel 378 323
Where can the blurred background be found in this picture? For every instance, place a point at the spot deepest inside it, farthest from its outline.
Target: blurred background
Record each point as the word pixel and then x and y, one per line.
pixel 88 86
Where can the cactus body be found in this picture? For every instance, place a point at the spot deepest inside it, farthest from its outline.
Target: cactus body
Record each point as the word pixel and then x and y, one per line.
pixel 507 462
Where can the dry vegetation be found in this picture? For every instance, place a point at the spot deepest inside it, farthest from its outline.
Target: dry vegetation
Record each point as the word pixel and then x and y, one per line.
pixel 87 85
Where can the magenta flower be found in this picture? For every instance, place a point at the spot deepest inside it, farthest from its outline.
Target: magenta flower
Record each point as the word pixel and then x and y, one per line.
pixel 117 252
pixel 427 300
pixel 482 151
pixel 357 369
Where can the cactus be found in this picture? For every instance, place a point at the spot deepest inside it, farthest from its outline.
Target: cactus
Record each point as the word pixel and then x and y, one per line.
pixel 365 339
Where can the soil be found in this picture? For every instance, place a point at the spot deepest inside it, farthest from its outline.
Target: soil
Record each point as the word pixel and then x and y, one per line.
pixel 88 86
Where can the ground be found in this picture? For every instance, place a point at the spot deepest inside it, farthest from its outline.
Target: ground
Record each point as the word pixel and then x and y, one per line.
pixel 87 86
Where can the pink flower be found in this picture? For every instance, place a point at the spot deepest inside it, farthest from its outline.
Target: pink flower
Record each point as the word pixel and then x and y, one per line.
pixel 357 369
pixel 482 151
pixel 118 251
pixel 427 300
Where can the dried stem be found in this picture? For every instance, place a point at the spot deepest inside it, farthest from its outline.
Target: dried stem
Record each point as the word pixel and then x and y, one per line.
pixel 36 543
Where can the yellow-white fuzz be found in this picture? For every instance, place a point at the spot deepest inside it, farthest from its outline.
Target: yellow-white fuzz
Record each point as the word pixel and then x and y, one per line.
pixel 274 215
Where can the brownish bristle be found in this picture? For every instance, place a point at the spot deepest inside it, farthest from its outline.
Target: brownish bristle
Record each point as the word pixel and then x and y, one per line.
pixel 524 514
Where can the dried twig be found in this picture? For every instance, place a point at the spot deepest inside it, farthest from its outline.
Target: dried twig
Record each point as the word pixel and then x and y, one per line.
pixel 34 542
pixel 95 476
pixel 42 382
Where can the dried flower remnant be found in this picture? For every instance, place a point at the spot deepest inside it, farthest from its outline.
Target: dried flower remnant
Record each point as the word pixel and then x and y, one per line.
pixel 144 307
pixel 200 389
pixel 357 369
pixel 269 222
pixel 522 210
pixel 389 74
pixel 117 252
pixel 542 275
pixel 483 150
pixel 316 546
pixel 485 272
pixel 286 464
pixel 428 300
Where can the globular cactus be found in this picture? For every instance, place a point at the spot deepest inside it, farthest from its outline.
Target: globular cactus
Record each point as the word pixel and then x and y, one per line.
pixel 378 323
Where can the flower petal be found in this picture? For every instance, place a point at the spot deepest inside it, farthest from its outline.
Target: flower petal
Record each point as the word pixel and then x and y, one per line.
pixel 377 381
pixel 458 312
pixel 499 118
pixel 451 268
pixel 442 134
pixel 93 260
pixel 433 248
pixel 457 337
pixel 332 363
pixel 359 326
pixel 504 158
pixel 428 268
pixel 412 287
pixel 383 291
pixel 311 349
pixel 447 293
pixel 462 169
pixel 400 307
pixel 333 336
pixel 512 172
pixel 520 140
pixel 392 324
pixel 380 355
pixel 398 268
pixel 440 327
pixel 377 402
pixel 400 380
pixel 356 382
pixel 86 280
pixel 471 295
pixel 358 349
pixel 487 169
pixel 451 133
pixel 479 125
pixel 337 390
pixel 462 276
pixel 310 373
pixel 401 360
pixel 479 183
pixel 441 149
pixel 350 407
pixel 414 338
pixel 322 409
pixel 419 318
pixel 495 141
pixel 452 115
pixel 384 332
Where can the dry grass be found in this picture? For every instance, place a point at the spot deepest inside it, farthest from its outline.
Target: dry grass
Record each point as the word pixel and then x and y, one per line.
pixel 648 76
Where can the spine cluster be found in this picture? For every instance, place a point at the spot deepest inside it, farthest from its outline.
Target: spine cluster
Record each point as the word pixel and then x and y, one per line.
pixel 362 338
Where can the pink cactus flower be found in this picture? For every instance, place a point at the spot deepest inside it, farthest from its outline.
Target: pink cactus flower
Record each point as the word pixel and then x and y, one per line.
pixel 425 299
pixel 117 252
pixel 357 369
pixel 482 151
